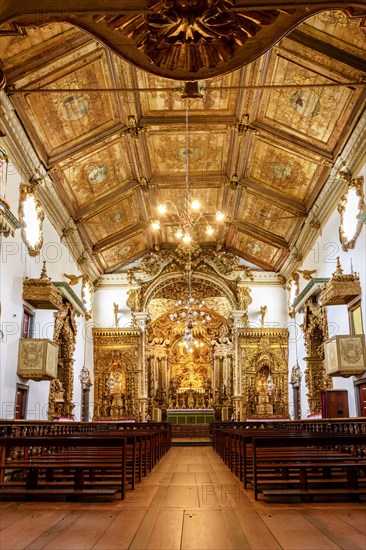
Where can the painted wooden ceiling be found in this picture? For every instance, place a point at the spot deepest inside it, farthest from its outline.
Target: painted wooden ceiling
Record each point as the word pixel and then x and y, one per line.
pixel 303 97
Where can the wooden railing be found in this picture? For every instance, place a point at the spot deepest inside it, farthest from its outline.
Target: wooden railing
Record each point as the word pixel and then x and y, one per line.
pixel 33 428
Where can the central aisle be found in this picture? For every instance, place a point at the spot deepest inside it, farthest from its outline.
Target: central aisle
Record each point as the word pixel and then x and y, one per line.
pixel 190 501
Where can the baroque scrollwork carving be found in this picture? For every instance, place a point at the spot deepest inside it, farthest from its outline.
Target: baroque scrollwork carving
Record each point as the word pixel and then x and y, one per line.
pixel 218 261
pixel 41 293
pixel 351 208
pixel 222 261
pixel 315 329
pixel 191 35
pixel 117 367
pixel 65 336
pixel 264 365
pixel 31 218
pixel 135 299
pixel 341 288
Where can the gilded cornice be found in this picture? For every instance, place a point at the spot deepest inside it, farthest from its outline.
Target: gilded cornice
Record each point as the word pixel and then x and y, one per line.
pixel 70 296
pixel 313 288
pixel 263 332
pixel 113 332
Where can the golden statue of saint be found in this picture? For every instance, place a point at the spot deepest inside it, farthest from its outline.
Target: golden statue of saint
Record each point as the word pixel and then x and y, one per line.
pixel 115 311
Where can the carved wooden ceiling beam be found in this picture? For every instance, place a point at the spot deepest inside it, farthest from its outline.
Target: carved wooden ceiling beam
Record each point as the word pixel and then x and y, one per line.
pixel 101 204
pixel 257 188
pixel 177 39
pixel 251 259
pixel 117 237
pixel 120 265
pixel 327 49
pixel 262 235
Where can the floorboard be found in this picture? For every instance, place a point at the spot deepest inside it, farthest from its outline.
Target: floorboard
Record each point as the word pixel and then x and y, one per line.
pixel 190 501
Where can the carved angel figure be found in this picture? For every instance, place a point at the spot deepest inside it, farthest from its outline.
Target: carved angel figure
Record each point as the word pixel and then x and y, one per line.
pixel 73 279
pixel 244 297
pixel 307 273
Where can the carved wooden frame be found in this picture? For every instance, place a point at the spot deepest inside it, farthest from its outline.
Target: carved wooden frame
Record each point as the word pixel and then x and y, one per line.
pixel 357 185
pixel 87 286
pixel 26 192
pixel 293 281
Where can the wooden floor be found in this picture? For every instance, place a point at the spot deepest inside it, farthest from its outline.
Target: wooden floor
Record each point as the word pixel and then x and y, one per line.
pixel 190 501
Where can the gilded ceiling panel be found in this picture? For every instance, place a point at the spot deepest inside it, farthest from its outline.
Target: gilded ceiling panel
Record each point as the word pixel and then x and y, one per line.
pixel 124 251
pixel 65 119
pixel 284 170
pixel 312 113
pixel 96 172
pixel 256 251
pixel 261 213
pixel 117 217
pixel 214 95
pixel 16 49
pixel 206 152
pixel 334 27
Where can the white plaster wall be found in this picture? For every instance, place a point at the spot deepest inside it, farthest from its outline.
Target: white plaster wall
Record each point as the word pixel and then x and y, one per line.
pixel 274 297
pixel 323 258
pixel 104 298
pixel 15 264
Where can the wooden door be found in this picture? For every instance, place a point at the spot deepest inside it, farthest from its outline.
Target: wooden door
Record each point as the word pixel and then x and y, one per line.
pixel 362 398
pixel 21 402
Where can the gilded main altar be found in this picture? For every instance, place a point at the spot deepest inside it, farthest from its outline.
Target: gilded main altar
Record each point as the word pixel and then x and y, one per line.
pixel 237 371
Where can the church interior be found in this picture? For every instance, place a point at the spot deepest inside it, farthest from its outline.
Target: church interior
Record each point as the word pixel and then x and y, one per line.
pixel 182 225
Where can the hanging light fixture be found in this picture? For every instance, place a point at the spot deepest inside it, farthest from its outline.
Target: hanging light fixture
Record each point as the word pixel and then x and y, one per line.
pixel 188 218
pixel 190 313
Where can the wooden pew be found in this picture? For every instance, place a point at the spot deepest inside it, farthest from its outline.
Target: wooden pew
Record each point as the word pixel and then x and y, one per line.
pixel 100 463
pixel 289 463
pixel 309 464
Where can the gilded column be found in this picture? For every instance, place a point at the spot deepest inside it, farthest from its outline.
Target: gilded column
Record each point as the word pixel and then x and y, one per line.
pixel 239 318
pixel 142 319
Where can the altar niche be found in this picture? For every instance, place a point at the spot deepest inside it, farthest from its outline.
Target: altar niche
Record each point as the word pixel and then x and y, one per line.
pixel 117 374
pixel 264 358
pixel 190 376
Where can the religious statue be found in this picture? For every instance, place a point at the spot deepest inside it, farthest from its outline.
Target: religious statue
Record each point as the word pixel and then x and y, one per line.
pixel 263 315
pixel 115 311
pixel 261 384
pixel 296 376
pixel 244 297
pixel 264 387
pixel 134 300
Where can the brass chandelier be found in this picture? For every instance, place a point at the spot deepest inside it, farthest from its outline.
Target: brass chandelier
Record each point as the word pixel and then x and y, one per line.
pixel 186 220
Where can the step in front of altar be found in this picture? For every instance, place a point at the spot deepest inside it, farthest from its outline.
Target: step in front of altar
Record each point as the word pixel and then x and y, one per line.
pixel 191 431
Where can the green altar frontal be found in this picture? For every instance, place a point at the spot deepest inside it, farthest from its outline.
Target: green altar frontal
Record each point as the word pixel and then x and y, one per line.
pixel 190 416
